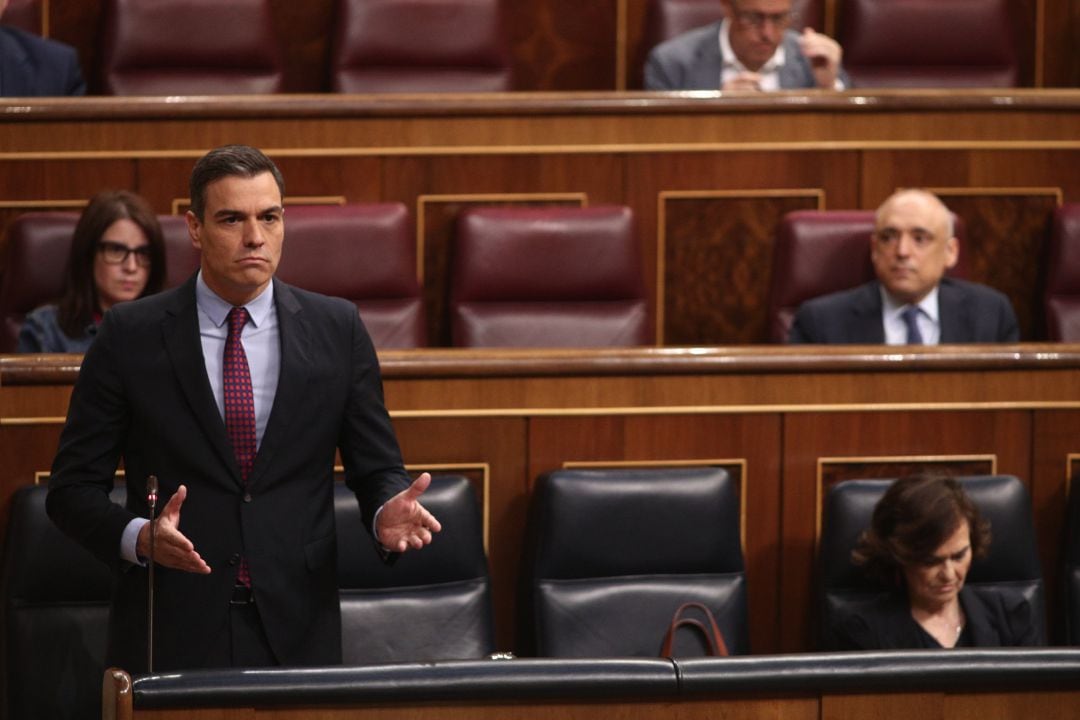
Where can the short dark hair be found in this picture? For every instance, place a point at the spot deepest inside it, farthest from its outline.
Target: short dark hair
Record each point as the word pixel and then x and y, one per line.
pixel 911 520
pixel 76 308
pixel 229 161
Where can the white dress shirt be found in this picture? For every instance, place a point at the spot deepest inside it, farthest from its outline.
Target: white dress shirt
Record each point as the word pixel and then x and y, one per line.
pixel 928 319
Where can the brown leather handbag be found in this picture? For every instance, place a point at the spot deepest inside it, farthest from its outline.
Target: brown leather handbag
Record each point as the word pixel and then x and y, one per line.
pixel 714 639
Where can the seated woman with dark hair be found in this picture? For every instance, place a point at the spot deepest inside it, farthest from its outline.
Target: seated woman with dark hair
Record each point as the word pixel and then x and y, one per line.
pixel 117 254
pixel 923 535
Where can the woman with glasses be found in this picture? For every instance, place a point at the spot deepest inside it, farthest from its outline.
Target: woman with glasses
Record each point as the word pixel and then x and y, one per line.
pixel 117 254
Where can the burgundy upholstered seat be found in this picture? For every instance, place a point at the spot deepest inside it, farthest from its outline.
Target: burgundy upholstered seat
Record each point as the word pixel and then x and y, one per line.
pixel 419 46
pixel 819 252
pixel 190 47
pixel 23 14
pixel 929 43
pixel 363 253
pixel 37 252
pixel 555 277
pixel 1062 299
pixel 181 257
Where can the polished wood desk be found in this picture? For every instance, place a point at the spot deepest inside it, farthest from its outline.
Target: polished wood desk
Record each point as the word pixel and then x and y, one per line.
pixel 789 422
pixel 707 175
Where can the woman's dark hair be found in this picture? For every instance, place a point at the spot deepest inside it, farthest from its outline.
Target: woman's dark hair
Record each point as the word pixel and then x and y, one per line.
pixel 228 161
pixel 76 308
pixel 911 521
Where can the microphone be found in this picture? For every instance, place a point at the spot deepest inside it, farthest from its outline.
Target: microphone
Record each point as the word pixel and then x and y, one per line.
pixel 151 500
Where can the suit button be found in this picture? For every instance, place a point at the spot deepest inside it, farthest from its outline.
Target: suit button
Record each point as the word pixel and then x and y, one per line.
pixel 247 497
pixel 234 559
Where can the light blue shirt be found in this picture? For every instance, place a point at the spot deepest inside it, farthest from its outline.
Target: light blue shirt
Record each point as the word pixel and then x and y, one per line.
pixel 928 319
pixel 262 345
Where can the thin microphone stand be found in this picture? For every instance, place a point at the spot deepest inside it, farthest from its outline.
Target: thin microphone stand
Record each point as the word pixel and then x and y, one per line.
pixel 151 500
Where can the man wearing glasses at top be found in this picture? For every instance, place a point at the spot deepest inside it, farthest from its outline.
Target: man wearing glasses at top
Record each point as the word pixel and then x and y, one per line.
pixel 753 48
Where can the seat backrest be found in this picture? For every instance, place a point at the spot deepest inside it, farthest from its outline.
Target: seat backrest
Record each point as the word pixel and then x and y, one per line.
pixel 56 604
pixel 1062 295
pixel 818 252
pixel 363 253
pixel 554 276
pixel 613 553
pixel 929 43
pixel 23 14
pixel 1011 567
pixel 1071 604
pixel 35 269
pixel 419 46
pixel 190 47
pixel 430 605
pixel 665 19
pixel 181 257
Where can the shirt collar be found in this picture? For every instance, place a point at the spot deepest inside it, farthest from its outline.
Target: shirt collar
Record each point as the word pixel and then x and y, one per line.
pixel 217 309
pixel 928 305
pixel 732 62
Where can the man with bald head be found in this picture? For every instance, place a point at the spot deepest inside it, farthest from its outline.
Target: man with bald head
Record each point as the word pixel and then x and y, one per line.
pixel 911 301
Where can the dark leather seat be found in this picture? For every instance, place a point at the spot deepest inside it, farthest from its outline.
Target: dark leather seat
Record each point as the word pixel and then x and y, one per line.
pixel 363 253
pixel 190 47
pixel 613 554
pixel 554 277
pixel 1062 295
pixel 916 43
pixel 38 246
pixel 56 605
pixel 419 46
pixel 818 252
pixel 181 257
pixel 429 605
pixel 664 19
pixel 1011 567
pixel 1071 580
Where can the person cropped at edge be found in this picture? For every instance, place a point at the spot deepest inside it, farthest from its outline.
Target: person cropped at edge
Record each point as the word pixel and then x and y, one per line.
pixel 246 560
pixel 117 255
pixel 911 301
pixel 33 66
pixel 752 48
pixel 923 535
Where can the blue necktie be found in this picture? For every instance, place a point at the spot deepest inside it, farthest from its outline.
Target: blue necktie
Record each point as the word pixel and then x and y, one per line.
pixel 911 317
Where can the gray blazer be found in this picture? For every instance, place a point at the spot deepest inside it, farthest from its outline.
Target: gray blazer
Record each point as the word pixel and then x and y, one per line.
pixel 970 313
pixel 692 61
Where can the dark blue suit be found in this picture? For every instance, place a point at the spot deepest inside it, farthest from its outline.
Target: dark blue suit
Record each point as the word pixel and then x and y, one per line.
pixel 143 395
pixel 31 66
pixel 969 313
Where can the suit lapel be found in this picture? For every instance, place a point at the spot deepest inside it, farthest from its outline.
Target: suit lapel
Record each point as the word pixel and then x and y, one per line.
pixel 292 380
pixel 709 64
pixel 180 335
pixel 866 325
pixel 956 325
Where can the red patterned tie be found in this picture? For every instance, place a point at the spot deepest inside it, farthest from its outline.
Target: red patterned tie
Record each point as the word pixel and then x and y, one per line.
pixel 239 408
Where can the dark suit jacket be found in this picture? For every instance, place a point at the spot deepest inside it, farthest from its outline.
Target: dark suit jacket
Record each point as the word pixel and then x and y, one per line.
pixel 143 395
pixel 969 313
pixel 692 61
pixel 31 66
pixel 885 623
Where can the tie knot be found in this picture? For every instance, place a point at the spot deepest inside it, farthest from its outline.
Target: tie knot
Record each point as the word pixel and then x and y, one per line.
pixel 238 317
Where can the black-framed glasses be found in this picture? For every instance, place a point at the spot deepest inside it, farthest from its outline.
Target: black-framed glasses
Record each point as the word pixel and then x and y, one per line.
pixel 116 253
pixel 758 19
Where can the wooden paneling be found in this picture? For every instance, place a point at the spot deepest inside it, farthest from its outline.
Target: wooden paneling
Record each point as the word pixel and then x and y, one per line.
pixel 562 44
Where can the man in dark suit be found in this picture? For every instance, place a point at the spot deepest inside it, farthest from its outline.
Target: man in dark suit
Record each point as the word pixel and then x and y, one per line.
pixel 245 547
pixel 750 49
pixel 31 66
pixel 911 301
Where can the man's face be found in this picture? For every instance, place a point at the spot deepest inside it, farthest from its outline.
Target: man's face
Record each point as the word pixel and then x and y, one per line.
pixel 911 247
pixel 757 27
pixel 240 236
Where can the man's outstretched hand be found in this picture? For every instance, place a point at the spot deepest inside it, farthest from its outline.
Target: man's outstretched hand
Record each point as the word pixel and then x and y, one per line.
pixel 171 548
pixel 403 522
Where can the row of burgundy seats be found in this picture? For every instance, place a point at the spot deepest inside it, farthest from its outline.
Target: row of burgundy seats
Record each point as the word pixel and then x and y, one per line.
pixel 890 43
pixel 209 47
pixel 520 277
